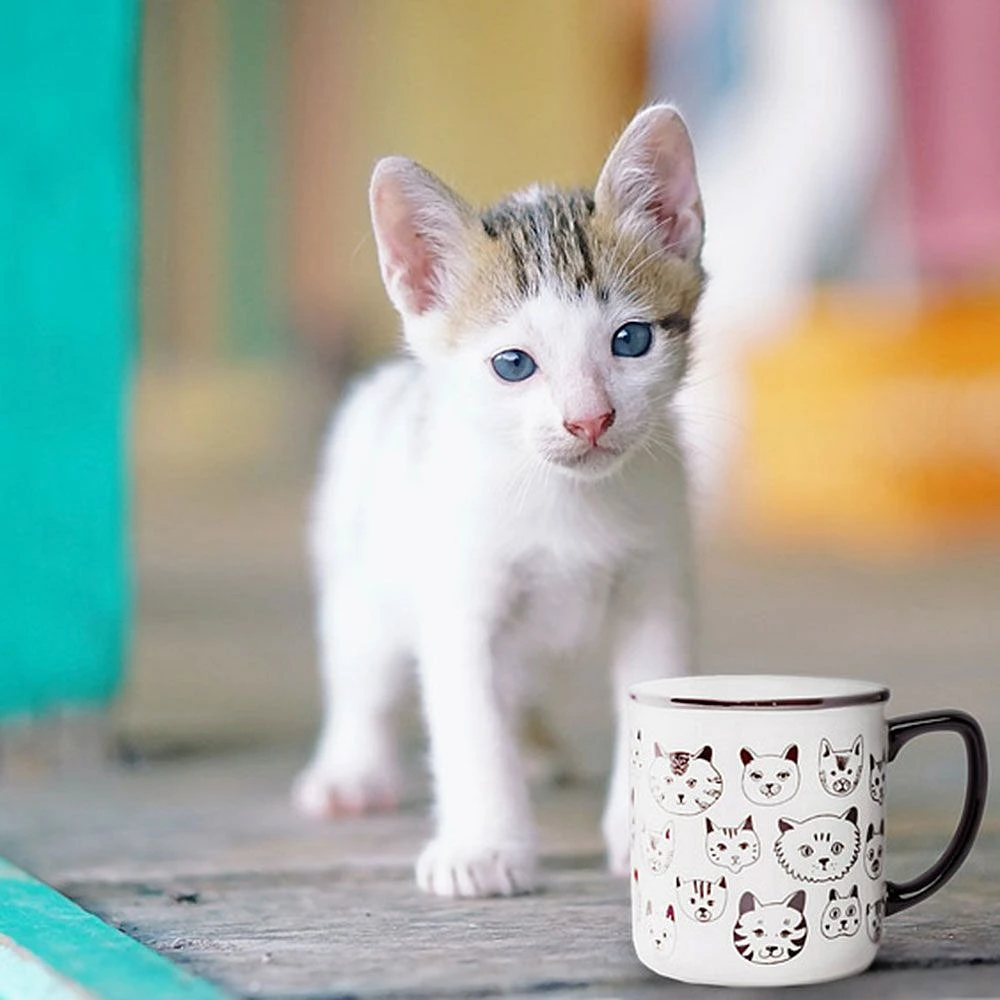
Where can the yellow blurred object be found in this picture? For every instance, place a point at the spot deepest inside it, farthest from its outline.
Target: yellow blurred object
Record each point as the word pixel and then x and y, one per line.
pixel 876 430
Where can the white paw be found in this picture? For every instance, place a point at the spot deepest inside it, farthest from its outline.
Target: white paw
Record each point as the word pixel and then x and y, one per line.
pixel 446 870
pixel 324 792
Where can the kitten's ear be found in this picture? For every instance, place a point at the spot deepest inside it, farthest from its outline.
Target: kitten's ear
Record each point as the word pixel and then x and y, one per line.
pixel 881 827
pixel 748 902
pixel 670 912
pixel 649 907
pixel 709 825
pixel 746 755
pixel 649 182
pixel 657 752
pixel 871 758
pixel 421 227
pixel 797 900
pixel 858 747
pixel 792 753
pixel 870 833
pixel 851 815
pixel 748 823
pixel 784 825
pixel 668 831
pixel 833 895
pixel 824 747
pixel 722 882
pixel 705 753
pixel 854 890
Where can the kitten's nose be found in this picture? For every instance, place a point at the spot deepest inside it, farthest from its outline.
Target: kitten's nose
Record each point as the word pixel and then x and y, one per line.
pixel 590 428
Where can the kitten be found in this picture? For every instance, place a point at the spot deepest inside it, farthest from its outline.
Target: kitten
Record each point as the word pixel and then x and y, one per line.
pixel 840 770
pixel 842 915
pixel 874 849
pixel 702 899
pixel 510 492
pixel 819 849
pixel 684 783
pixel 658 848
pixel 769 779
pixel 661 928
pixel 876 780
pixel 874 915
pixel 732 847
pixel 769 933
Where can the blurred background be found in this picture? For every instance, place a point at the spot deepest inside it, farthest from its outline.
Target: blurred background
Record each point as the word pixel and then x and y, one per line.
pixel 844 420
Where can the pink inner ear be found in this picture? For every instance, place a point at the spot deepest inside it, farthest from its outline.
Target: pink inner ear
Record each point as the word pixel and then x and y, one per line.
pixel 410 264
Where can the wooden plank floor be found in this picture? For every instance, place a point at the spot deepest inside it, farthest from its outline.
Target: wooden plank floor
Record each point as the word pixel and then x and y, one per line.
pixel 194 850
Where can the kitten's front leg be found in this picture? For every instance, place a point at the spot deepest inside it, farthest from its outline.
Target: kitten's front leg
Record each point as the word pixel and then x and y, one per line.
pixel 653 639
pixel 485 841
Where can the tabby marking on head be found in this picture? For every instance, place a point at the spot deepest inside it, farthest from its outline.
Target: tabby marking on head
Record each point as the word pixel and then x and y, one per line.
pixel 842 915
pixel 840 770
pixel 684 783
pixel 732 847
pixel 769 933
pixel 821 848
pixel 702 899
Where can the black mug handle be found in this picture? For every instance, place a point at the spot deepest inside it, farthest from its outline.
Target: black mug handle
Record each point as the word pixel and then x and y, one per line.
pixel 901 895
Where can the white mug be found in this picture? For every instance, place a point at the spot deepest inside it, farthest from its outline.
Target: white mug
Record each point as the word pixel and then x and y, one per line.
pixel 758 825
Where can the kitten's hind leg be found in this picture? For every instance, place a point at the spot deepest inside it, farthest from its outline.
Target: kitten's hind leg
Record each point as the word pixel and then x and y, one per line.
pixel 355 766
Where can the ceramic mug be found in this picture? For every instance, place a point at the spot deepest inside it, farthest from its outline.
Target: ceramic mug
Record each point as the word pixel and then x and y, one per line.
pixel 758 825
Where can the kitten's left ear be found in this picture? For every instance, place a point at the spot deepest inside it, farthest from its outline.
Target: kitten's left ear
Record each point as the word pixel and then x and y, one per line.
pixel 649 181
pixel 705 753
pixel 420 227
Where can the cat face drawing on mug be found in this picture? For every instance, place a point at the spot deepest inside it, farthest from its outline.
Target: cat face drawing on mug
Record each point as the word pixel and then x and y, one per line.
pixel 874 849
pixel 732 847
pixel 874 915
pixel 661 926
pixel 840 770
pixel 684 783
pixel 821 848
pixel 702 899
pixel 769 779
pixel 876 779
pixel 658 848
pixel 769 933
pixel 842 914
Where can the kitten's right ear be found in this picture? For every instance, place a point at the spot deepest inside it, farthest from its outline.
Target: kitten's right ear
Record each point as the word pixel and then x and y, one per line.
pixel 746 755
pixel 649 182
pixel 657 752
pixel 784 824
pixel 748 902
pixel 420 228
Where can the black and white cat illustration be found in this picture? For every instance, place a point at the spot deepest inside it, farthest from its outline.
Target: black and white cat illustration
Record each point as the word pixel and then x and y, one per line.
pixel 658 848
pixel 769 933
pixel 732 847
pixel 842 915
pixel 637 750
pixel 840 770
pixel 661 926
pixel 684 783
pixel 876 779
pixel 702 899
pixel 874 849
pixel 874 915
pixel 821 848
pixel 769 779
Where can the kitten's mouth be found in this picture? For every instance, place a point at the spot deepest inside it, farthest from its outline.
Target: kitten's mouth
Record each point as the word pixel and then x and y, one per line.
pixel 599 457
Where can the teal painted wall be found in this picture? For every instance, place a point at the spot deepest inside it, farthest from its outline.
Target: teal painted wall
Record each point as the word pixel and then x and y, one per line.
pixel 68 242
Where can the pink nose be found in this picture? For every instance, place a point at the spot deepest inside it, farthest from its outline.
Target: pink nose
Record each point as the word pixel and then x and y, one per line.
pixel 590 428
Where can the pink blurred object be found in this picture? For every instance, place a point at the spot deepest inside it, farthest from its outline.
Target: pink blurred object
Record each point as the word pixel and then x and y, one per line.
pixel 949 81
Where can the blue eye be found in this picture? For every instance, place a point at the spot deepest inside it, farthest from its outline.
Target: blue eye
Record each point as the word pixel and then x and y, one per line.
pixel 514 366
pixel 632 340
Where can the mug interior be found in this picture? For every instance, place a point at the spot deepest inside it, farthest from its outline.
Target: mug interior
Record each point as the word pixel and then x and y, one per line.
pixel 764 691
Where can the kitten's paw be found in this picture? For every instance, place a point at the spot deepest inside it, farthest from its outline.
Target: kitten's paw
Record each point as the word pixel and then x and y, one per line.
pixel 324 793
pixel 447 870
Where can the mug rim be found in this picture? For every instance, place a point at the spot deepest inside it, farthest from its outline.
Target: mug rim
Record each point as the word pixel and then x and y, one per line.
pixel 758 692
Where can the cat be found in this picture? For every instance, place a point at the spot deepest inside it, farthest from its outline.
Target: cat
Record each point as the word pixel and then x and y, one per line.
pixel 874 915
pixel 510 492
pixel 702 899
pixel 842 915
pixel 840 770
pixel 658 848
pixel 874 849
pixel 769 933
pixel 769 779
pixel 876 780
pixel 684 783
pixel 732 847
pixel 819 849
pixel 661 928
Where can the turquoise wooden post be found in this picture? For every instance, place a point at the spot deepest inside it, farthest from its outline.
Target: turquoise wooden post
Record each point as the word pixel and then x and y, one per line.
pixel 68 123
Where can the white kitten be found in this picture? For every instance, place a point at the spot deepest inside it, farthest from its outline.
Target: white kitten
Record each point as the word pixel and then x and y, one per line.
pixel 512 492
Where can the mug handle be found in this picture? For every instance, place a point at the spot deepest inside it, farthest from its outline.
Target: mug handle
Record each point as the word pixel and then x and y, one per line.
pixel 901 895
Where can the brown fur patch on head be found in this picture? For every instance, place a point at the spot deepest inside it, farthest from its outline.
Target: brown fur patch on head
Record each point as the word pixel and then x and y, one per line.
pixel 547 239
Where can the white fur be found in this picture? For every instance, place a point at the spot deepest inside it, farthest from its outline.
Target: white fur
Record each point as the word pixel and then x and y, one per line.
pixel 458 524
